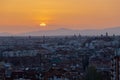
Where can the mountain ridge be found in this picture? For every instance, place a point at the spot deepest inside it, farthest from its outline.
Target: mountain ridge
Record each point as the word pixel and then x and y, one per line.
pixel 66 31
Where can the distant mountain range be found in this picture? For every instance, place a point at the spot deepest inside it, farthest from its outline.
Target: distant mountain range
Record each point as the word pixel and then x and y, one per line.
pixel 5 34
pixel 64 31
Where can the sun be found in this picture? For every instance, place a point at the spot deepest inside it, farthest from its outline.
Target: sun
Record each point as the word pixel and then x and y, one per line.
pixel 42 24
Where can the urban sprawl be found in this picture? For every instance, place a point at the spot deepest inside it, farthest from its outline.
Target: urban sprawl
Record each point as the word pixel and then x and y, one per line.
pixel 60 57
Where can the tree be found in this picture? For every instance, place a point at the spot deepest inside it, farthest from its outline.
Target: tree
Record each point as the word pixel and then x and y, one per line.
pixel 92 74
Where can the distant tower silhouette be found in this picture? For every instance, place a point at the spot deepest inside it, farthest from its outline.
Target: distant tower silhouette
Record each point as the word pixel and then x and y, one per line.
pixel 101 35
pixel 113 35
pixel 79 35
pixel 74 36
pixel 29 37
pixel 106 34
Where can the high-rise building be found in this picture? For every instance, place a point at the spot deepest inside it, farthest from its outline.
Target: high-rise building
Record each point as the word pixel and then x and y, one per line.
pixel 115 61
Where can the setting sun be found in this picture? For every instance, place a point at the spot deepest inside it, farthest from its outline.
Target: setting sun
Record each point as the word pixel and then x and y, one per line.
pixel 42 24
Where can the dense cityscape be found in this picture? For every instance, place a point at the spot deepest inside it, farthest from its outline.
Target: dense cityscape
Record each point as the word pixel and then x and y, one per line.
pixel 60 57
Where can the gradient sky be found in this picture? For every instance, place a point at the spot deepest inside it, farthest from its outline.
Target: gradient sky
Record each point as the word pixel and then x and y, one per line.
pixel 18 16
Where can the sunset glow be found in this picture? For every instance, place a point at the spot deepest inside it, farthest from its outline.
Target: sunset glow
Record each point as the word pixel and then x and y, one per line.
pixel 26 15
pixel 42 24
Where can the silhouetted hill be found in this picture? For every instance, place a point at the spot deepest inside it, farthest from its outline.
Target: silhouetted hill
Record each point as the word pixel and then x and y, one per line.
pixel 64 31
pixel 5 34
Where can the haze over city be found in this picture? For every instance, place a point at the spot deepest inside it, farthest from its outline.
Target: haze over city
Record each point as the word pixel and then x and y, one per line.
pixel 59 39
pixel 18 16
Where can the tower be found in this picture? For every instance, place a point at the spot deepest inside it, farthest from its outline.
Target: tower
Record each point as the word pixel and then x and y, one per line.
pixel 106 34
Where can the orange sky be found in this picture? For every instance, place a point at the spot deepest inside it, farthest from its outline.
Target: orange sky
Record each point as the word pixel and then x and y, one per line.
pixel 26 15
